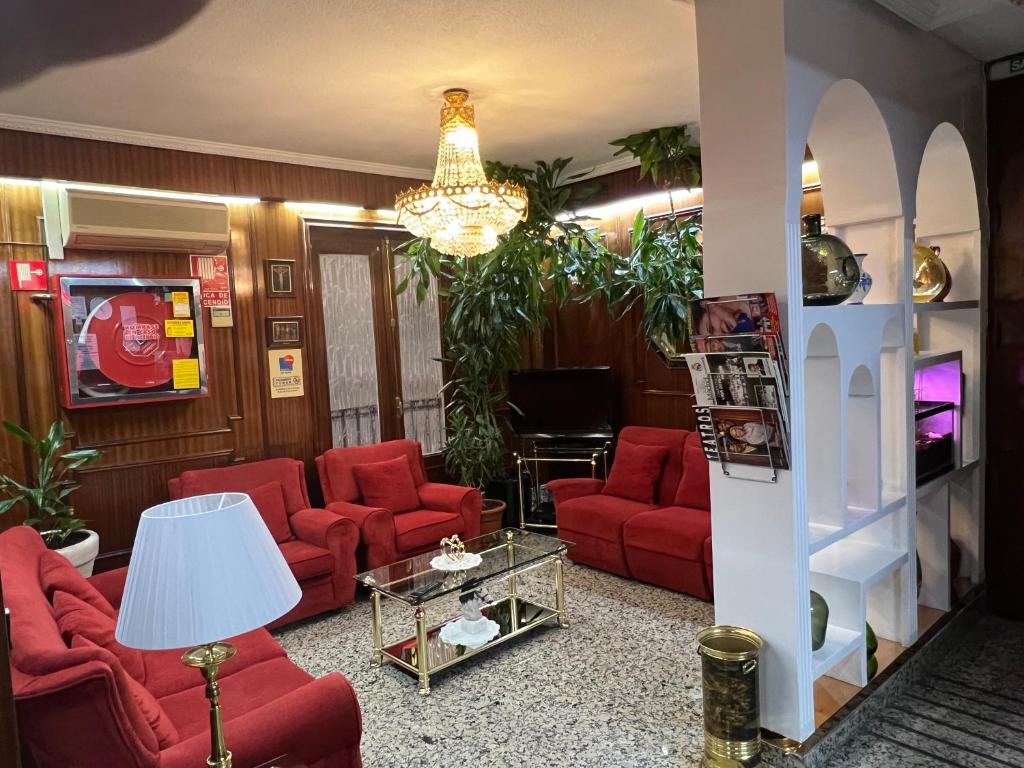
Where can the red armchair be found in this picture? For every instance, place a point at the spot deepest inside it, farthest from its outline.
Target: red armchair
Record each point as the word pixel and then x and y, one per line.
pixel 78 706
pixel 666 542
pixel 319 546
pixel 389 536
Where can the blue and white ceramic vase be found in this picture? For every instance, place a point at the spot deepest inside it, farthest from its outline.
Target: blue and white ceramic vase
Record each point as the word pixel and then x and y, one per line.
pixel 861 291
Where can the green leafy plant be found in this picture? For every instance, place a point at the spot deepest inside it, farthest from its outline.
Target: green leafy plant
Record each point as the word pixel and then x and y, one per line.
pixel 668 154
pixel 47 500
pixel 496 300
pixel 664 271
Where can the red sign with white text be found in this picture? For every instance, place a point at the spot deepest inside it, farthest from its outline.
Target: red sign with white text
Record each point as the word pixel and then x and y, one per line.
pixel 27 275
pixel 212 272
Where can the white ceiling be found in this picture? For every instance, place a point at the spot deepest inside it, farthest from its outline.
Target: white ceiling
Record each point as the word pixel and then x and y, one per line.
pixel 356 80
pixel 986 29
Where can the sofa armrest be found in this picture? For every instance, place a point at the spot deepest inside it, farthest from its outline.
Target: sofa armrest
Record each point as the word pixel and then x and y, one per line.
pixel 458 499
pixel 567 488
pixel 376 531
pixel 319 724
pixel 110 584
pixel 323 528
pixel 340 536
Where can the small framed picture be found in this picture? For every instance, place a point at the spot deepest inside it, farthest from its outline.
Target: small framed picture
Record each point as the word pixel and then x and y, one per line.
pixel 284 332
pixel 280 278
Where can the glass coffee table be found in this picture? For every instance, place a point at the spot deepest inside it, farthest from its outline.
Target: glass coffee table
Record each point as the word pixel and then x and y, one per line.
pixel 504 556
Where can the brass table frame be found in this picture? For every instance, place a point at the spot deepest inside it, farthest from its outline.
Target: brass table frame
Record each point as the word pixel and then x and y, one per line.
pixel 421 666
pixel 522 460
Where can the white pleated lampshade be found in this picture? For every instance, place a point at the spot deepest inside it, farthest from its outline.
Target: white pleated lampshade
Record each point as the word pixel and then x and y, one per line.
pixel 203 569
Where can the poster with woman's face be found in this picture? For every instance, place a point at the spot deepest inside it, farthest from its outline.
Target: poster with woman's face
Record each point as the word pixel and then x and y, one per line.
pixel 729 315
pixel 750 436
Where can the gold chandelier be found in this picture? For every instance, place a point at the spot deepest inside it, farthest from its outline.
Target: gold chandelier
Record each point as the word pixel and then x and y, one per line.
pixel 461 212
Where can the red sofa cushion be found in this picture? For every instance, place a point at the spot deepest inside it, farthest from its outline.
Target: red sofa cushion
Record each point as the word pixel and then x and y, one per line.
pixel 133 692
pixel 424 528
pixel 165 674
pixel 635 471
pixel 598 516
pixel 335 466
pixel 695 487
pixel 387 485
pixel 242 477
pixel 269 501
pixel 241 692
pixel 57 573
pixel 76 618
pixel 672 472
pixel 307 560
pixel 676 531
pixel 129 704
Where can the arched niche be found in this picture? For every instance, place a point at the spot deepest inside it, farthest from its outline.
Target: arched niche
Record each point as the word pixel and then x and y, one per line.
pixel 823 397
pixel 947 209
pixel 860 190
pixel 863 421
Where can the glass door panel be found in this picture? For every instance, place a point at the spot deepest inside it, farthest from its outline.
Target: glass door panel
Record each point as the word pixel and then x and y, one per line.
pixel 422 375
pixel 346 290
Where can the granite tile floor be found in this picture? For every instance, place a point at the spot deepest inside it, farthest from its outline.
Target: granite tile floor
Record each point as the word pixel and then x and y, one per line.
pixel 619 687
pixel 966 710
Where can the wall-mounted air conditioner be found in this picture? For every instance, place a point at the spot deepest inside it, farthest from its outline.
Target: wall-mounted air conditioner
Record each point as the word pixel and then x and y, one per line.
pixel 117 222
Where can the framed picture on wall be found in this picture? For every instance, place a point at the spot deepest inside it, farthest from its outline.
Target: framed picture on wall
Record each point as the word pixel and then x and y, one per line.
pixel 280 278
pixel 129 340
pixel 284 332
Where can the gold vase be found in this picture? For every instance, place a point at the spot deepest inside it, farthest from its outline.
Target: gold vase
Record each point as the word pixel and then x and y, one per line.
pixel 929 274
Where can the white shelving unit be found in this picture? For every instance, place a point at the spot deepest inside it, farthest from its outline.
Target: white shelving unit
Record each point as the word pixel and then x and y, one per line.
pixel 898 137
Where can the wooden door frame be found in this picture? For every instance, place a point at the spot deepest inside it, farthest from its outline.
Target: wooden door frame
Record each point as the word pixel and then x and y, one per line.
pixel 317 234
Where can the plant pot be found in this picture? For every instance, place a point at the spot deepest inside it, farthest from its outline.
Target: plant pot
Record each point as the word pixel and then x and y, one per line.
pixel 82 554
pixel 491 515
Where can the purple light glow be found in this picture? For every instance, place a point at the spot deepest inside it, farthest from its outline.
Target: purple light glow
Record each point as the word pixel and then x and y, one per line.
pixel 941 383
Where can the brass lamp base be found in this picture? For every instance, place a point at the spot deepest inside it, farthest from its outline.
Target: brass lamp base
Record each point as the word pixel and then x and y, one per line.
pixel 208 658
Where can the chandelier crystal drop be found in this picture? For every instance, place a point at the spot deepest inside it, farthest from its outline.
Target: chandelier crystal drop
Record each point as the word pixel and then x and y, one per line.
pixel 461 212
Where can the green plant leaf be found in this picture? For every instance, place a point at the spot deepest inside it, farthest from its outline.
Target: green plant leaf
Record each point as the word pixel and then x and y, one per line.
pixel 19 433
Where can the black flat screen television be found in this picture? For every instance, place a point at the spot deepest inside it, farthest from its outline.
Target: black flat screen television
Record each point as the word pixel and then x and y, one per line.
pixel 560 400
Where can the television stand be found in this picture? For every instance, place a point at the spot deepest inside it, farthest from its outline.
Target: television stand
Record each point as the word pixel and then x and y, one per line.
pixel 539 453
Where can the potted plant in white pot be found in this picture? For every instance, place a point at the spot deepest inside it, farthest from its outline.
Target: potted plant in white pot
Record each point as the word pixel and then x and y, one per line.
pixel 47 500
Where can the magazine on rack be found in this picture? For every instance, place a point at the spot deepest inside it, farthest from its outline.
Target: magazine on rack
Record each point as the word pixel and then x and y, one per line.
pixel 748 379
pixel 736 435
pixel 743 323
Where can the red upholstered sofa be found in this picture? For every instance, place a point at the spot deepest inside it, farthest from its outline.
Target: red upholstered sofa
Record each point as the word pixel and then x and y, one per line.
pixel 78 705
pixel 320 547
pixel 389 536
pixel 666 542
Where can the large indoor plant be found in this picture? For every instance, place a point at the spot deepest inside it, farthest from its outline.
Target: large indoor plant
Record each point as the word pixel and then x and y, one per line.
pixel 665 268
pixel 47 497
pixel 496 300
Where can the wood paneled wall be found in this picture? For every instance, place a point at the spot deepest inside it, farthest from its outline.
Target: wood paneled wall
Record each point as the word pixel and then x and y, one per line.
pixel 145 445
pixel 1004 523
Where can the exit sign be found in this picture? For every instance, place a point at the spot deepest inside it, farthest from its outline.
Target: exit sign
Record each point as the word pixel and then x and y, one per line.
pixel 1012 66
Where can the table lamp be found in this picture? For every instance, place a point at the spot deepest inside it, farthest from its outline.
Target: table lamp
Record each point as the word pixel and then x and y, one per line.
pixel 203 569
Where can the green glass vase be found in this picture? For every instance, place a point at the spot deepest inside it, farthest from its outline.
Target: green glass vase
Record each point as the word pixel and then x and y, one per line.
pixel 819 620
pixel 830 271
